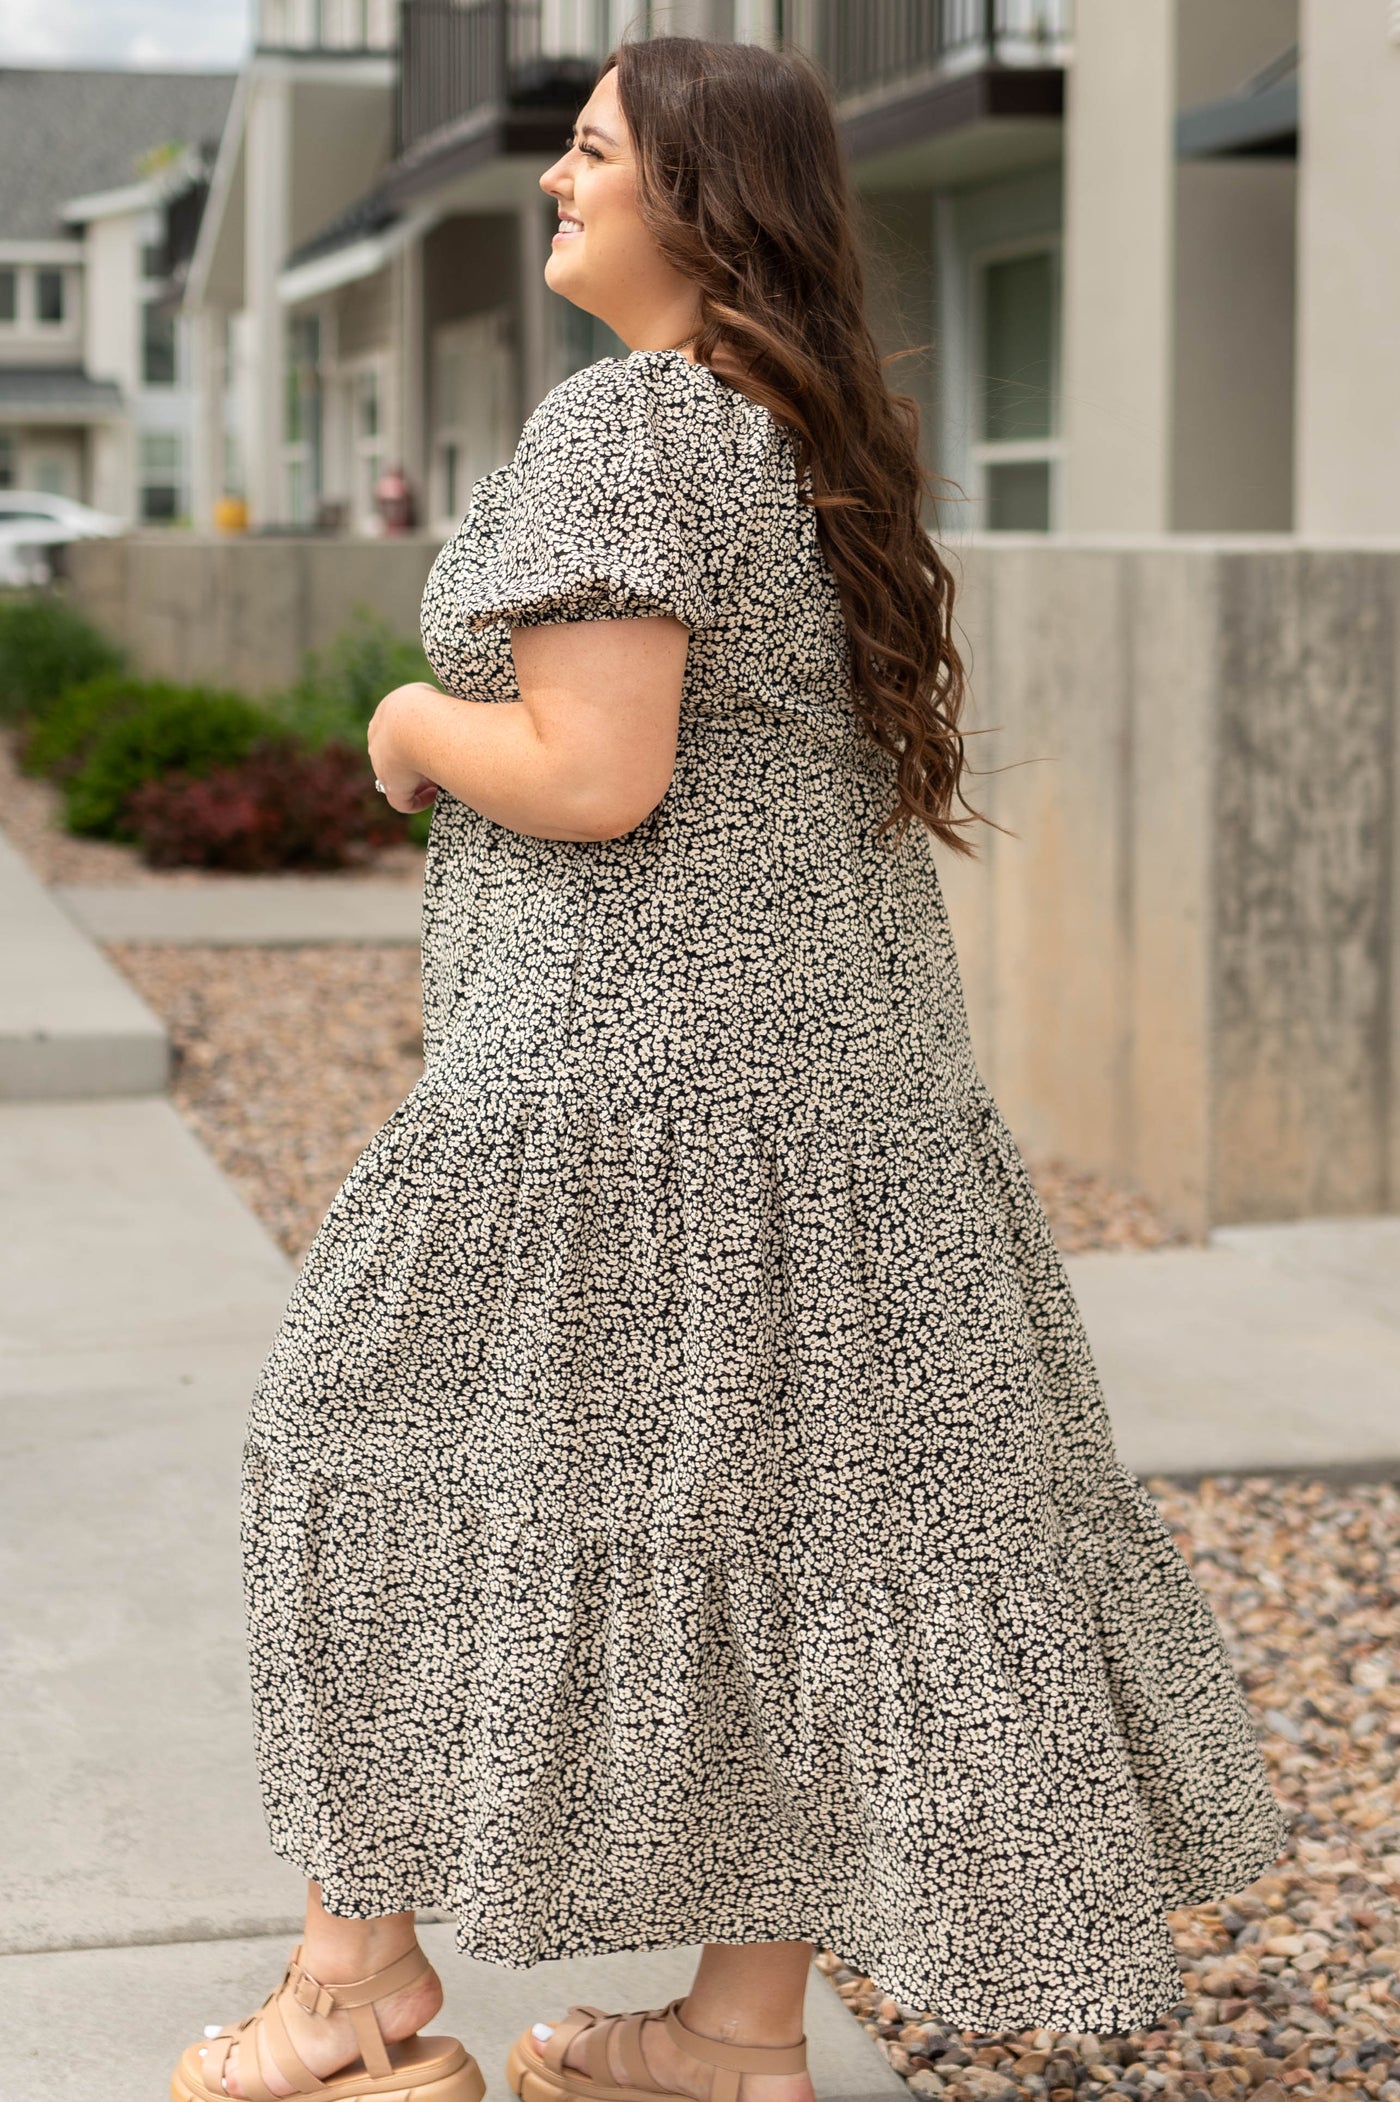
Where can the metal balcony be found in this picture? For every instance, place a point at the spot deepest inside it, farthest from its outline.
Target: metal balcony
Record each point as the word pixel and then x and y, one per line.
pixel 885 44
pixel 462 57
pixel 326 26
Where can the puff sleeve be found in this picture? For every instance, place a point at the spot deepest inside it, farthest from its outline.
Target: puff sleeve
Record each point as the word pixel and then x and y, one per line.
pixel 605 507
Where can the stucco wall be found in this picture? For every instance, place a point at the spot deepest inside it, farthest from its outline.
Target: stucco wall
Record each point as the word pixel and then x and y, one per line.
pixel 1185 968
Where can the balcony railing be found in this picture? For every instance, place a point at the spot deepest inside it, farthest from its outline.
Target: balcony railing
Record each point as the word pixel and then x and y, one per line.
pixel 882 43
pixel 326 25
pixel 459 55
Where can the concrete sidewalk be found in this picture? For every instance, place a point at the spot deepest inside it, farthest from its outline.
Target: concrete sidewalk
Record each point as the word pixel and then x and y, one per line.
pixel 1273 1347
pixel 70 1024
pixel 270 911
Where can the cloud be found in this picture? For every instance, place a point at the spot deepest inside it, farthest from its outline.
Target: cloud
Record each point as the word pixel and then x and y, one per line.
pixel 143 33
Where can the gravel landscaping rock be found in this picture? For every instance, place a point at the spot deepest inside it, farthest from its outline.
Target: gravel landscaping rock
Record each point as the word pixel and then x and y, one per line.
pixel 286 1061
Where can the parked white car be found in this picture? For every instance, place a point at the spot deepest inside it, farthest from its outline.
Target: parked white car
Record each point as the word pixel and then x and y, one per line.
pixel 32 521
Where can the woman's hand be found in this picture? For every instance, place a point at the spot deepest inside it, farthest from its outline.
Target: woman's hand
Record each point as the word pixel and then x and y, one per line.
pixel 405 786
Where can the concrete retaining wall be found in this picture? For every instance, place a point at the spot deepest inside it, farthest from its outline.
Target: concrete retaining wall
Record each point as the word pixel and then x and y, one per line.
pixel 1185 969
pixel 239 612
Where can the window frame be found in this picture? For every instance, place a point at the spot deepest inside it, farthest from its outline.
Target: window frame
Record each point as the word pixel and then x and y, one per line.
pixel 983 452
pixel 149 477
pixel 149 307
pixel 64 318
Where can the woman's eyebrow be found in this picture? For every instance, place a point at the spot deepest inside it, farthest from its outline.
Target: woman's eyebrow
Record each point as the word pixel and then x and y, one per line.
pixel 583 131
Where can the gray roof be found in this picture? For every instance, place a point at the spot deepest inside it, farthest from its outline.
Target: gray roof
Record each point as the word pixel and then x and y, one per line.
pixel 56 387
pixel 68 130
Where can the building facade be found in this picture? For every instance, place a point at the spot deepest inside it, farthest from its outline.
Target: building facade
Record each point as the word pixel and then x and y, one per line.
pixel 1140 267
pixel 103 175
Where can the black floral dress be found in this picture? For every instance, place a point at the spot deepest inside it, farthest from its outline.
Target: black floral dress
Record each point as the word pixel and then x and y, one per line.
pixel 679 1503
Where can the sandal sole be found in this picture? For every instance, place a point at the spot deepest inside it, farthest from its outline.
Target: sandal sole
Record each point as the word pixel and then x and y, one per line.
pixel 466 2084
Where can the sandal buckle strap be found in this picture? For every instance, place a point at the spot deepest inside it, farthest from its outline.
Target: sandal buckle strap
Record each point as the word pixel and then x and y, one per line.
pixel 309 1993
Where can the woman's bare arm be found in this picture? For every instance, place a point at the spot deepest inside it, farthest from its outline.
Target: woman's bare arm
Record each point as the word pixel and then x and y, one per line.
pixel 585 753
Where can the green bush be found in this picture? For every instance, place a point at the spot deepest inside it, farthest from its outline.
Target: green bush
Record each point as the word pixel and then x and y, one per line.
pixel 55 742
pixel 341 686
pixel 186 727
pixel 46 645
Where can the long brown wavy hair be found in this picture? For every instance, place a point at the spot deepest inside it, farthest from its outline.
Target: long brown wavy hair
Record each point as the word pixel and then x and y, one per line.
pixel 742 181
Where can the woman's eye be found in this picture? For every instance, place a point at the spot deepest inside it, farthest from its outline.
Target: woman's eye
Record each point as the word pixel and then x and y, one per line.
pixel 569 145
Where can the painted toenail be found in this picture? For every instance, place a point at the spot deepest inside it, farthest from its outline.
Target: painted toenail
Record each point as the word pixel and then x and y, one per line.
pixel 539 2029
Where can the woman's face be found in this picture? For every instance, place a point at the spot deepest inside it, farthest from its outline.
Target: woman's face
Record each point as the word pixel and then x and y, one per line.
pixel 603 258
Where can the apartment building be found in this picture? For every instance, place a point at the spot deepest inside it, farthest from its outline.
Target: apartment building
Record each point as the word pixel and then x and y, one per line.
pixel 1140 265
pixel 103 175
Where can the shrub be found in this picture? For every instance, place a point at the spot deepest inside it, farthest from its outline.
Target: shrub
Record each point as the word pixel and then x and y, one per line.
pixel 46 644
pixel 341 686
pixel 176 729
pixel 283 807
pixel 56 741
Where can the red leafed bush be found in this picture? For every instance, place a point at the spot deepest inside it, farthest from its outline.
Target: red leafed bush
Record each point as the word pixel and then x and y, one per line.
pixel 283 807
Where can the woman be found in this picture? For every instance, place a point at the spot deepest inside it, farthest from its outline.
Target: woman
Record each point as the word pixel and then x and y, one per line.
pixel 680 1504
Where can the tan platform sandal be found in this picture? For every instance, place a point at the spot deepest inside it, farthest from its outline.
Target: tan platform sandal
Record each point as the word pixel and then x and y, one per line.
pixel 420 2069
pixel 542 2076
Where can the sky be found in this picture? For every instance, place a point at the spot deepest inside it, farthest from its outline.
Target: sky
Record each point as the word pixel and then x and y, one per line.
pixel 200 34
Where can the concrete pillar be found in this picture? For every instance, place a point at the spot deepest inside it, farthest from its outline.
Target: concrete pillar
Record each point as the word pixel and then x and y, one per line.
pixel 535 222
pixel 1348 428
pixel 267 158
pixel 753 22
pixel 1120 159
pixel 412 414
pixel 1235 290
pixel 112 467
pixel 206 339
pixel 1232 377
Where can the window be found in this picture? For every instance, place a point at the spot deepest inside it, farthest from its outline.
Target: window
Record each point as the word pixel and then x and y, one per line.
pixel 160 476
pixel 153 259
pixel 7 461
pixel 1016 362
pixel 48 295
pixel 157 345
pixel 9 294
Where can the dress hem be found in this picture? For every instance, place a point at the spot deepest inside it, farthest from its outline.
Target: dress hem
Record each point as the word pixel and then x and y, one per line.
pixel 983 2017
